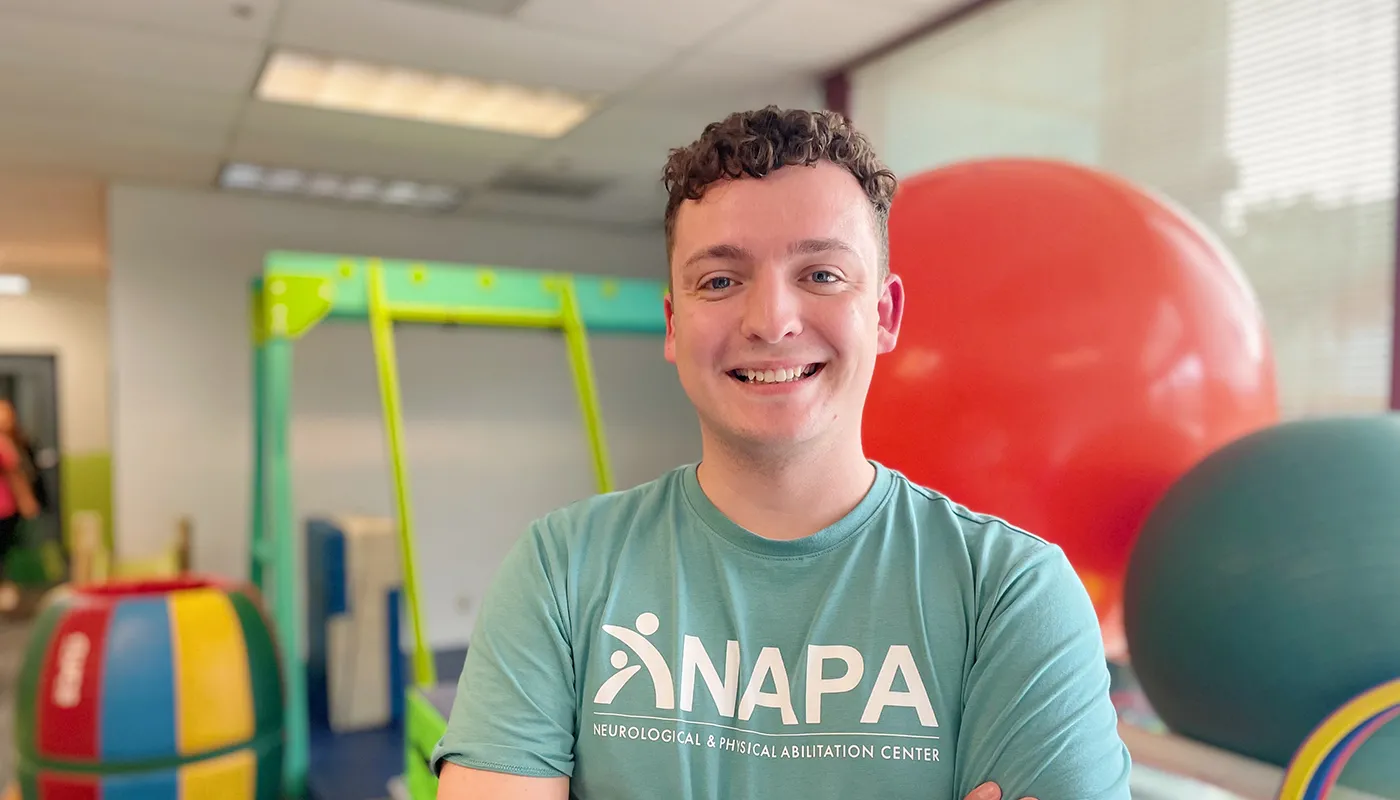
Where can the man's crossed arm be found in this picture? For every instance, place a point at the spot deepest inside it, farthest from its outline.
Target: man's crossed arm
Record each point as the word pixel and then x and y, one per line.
pixel 461 783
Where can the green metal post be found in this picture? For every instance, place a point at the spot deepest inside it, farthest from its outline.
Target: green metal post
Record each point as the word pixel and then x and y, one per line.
pixel 277 361
pixel 284 307
pixel 257 545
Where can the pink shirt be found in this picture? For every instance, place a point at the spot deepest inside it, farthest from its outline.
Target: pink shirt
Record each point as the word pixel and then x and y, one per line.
pixel 9 462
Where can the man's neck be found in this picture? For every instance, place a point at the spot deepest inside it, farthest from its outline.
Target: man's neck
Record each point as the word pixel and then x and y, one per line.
pixel 790 497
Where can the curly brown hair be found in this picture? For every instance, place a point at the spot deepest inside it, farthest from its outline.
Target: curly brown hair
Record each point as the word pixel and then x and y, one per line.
pixel 756 143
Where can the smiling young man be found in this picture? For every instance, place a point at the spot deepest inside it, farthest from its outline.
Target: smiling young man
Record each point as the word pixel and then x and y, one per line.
pixel 787 618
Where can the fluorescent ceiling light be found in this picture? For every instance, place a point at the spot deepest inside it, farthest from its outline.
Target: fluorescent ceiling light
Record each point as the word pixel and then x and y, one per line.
pixel 347 85
pixel 362 189
pixel 13 285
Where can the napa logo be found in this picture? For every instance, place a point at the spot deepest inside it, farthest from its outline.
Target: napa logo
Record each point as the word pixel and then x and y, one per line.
pixel 668 690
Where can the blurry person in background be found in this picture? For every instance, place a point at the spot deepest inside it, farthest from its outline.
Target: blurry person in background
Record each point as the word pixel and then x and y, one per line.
pixel 17 500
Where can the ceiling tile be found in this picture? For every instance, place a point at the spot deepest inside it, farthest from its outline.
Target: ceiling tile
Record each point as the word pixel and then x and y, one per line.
pixel 52 45
pixel 634 135
pixel 817 35
pixel 237 19
pixel 351 158
pixel 107 161
pixel 331 125
pixel 733 81
pixel 101 100
pixel 316 139
pixel 384 131
pixel 77 129
pixel 928 9
pixel 626 139
pixel 430 37
pixel 158 90
pixel 629 203
pixel 495 8
pixel 647 21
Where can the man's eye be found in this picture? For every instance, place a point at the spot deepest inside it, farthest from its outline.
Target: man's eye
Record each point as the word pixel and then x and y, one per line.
pixel 822 276
pixel 717 283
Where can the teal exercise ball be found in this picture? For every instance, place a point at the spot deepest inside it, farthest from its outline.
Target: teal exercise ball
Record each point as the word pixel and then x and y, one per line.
pixel 1264 591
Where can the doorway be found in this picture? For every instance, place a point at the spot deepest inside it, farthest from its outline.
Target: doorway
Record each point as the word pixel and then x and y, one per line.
pixel 30 383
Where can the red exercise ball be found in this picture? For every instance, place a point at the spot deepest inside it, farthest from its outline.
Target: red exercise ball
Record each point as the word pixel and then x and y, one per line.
pixel 1071 345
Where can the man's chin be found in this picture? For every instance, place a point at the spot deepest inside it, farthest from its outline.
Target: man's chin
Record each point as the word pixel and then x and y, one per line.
pixel 766 436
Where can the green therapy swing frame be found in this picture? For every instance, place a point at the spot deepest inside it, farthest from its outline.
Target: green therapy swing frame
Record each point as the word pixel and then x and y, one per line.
pixel 296 292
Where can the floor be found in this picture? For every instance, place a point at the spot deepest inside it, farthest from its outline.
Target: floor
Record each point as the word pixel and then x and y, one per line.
pixel 359 766
pixel 12 638
pixel 354 766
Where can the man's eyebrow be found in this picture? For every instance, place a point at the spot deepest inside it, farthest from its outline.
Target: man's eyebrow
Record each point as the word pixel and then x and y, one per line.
pixel 722 252
pixel 812 247
pixel 733 252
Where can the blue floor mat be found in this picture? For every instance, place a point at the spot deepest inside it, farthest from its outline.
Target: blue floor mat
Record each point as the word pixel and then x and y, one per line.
pixel 358 766
pixel 354 766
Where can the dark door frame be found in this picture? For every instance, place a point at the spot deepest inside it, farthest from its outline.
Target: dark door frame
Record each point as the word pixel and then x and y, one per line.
pixel 53 474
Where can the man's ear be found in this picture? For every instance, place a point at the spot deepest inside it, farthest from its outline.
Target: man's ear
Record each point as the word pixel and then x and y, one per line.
pixel 668 307
pixel 891 310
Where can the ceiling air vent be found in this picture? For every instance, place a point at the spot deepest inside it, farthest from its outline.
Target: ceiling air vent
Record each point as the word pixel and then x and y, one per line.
pixel 567 187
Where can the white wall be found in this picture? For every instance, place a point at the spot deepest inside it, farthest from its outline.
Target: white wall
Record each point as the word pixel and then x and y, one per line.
pixel 493 432
pixel 66 316
pixel 987 86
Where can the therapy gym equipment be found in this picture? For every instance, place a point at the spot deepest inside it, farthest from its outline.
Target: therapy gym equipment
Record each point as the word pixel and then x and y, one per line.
pixel 298 291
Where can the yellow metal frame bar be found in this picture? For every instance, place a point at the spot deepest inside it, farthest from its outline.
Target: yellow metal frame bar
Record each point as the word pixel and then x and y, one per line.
pixel 381 324
pixel 382 316
pixel 445 315
pixel 586 386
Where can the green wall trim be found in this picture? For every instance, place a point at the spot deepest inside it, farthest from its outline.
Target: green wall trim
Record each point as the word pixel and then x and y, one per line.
pixel 87 486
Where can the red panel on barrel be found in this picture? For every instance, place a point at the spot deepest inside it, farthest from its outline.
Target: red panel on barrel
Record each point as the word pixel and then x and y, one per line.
pixel 68 699
pixel 69 787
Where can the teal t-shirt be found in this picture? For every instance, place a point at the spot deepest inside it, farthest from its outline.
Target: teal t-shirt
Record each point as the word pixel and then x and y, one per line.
pixel 644 645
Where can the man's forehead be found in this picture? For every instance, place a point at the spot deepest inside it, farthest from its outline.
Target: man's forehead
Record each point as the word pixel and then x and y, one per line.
pixel 793 211
pixel 788 216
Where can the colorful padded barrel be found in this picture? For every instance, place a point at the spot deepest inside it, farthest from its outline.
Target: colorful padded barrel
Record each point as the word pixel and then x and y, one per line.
pixel 158 691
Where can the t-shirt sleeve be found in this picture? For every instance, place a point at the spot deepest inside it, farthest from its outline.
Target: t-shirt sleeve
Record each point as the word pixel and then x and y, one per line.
pixel 1037 718
pixel 514 707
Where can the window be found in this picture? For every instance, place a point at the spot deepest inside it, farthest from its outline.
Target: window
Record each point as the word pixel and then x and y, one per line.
pixel 1272 121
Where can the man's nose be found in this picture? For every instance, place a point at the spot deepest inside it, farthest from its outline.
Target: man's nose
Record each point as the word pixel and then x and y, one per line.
pixel 771 311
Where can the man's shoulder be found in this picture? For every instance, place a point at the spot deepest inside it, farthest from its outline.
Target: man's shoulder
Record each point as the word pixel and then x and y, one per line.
pixel 994 545
pixel 1013 573
pixel 613 511
pixel 936 507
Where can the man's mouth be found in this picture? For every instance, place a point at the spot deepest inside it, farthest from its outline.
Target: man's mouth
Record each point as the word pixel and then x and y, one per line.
pixel 781 375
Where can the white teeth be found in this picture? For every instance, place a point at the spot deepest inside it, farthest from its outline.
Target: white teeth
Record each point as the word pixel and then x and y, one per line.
pixel 784 375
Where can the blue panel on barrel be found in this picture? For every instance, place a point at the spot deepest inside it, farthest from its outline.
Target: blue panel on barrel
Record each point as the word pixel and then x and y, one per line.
pixel 138 687
pixel 157 786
